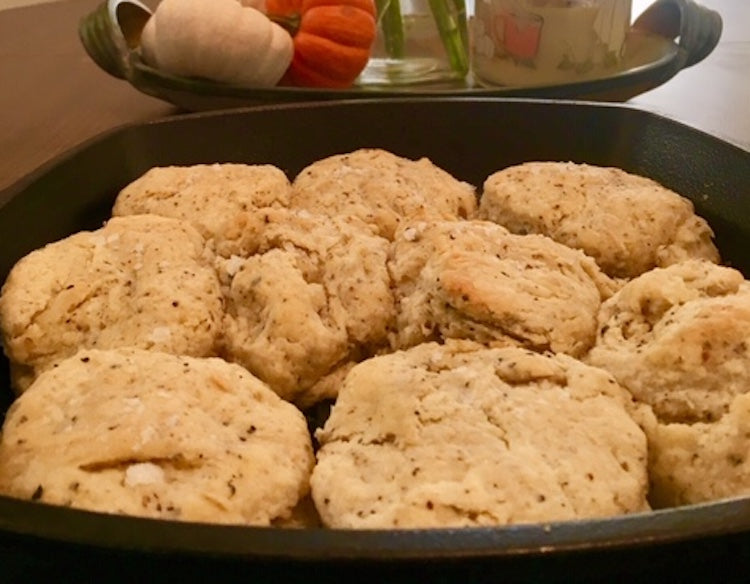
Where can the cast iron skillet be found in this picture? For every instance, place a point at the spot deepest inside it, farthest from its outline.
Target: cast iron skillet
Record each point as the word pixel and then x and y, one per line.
pixel 470 138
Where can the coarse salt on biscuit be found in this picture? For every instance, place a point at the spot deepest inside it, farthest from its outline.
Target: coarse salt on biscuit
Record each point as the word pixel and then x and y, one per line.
pixel 628 223
pixel 142 281
pixel 461 435
pixel 382 189
pixel 475 280
pixel 150 434
pixel 218 199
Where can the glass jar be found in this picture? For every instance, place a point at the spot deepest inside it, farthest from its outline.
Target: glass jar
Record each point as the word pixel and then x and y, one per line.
pixel 537 42
pixel 419 42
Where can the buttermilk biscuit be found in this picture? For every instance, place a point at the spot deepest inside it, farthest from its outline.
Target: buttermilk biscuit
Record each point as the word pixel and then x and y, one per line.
pixel 704 461
pixel 218 199
pixel 461 435
pixel 475 280
pixel 142 281
pixel 679 339
pixel 146 433
pixel 382 189
pixel 628 223
pixel 315 297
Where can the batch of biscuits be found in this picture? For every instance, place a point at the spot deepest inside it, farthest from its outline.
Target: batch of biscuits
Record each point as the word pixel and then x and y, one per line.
pixel 560 342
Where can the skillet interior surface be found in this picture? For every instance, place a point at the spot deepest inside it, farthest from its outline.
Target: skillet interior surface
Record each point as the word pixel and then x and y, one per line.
pixel 471 138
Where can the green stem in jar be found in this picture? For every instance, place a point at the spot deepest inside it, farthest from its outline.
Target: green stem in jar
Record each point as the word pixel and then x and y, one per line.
pixel 463 24
pixel 450 19
pixel 392 26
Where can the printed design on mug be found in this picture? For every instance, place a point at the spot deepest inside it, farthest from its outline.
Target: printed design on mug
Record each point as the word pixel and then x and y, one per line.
pixel 518 33
pixel 553 37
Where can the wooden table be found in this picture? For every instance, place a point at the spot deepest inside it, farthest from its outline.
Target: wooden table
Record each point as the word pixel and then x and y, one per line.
pixel 53 96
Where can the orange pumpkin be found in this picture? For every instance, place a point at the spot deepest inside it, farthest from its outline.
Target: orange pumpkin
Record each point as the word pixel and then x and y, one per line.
pixel 332 39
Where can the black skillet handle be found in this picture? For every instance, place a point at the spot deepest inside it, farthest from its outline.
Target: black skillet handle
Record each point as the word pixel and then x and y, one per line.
pixel 698 28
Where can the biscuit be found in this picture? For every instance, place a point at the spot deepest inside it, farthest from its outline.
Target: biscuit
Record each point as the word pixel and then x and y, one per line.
pixel 679 339
pixel 461 435
pixel 142 281
pixel 315 297
pixel 628 223
pixel 218 199
pixel 475 280
pixel 145 433
pixel 382 189
pixel 704 461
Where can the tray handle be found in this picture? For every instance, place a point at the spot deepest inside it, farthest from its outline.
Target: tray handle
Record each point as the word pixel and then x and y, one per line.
pixel 111 32
pixel 698 28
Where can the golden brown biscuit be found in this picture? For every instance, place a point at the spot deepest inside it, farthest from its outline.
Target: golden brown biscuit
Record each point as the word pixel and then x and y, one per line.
pixel 382 189
pixel 628 223
pixel 218 199
pixel 142 281
pixel 475 280
pixel 150 434
pixel 679 339
pixel 461 435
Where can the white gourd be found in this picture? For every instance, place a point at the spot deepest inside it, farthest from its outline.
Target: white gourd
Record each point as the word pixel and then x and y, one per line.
pixel 221 40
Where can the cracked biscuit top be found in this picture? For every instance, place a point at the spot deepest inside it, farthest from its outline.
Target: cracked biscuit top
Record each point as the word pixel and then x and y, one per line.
pixel 678 338
pixel 150 434
pixel 462 435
